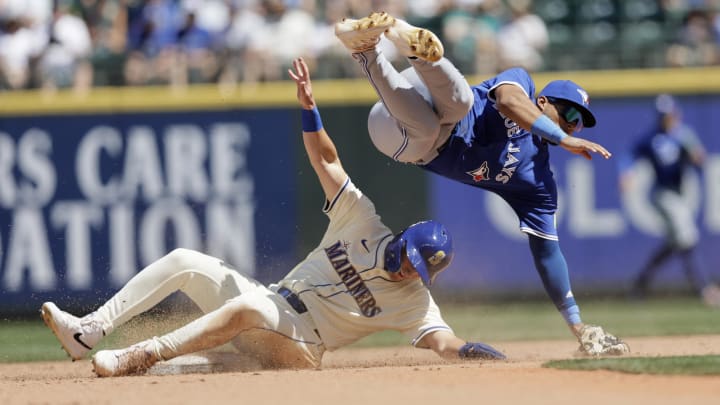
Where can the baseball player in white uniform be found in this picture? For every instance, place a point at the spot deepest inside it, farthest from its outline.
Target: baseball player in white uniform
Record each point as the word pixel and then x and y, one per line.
pixel 361 279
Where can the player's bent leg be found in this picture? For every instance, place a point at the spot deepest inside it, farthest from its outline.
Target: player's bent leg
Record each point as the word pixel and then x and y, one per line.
pixel 396 141
pixel 258 310
pixel 212 281
pixel 403 125
pixel 273 350
pixel 209 331
pixel 448 89
pixel 206 280
pixel 401 93
pixel 270 349
pixel 292 337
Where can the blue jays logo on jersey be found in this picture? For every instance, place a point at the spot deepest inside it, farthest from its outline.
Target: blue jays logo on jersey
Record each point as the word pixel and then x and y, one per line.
pixel 481 173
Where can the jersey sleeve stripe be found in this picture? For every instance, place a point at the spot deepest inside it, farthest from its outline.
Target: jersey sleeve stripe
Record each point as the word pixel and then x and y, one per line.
pixel 491 92
pixel 424 333
pixel 330 204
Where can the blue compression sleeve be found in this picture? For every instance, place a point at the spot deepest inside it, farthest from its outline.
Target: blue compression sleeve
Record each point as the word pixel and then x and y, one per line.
pixel 547 129
pixel 311 121
pixel 552 267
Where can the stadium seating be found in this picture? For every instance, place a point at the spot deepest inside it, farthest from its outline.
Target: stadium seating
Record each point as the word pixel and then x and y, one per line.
pixel 605 34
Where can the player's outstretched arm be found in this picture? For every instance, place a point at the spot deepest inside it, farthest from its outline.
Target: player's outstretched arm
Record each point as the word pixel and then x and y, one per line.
pixel 320 148
pixel 451 347
pixel 583 147
pixel 512 102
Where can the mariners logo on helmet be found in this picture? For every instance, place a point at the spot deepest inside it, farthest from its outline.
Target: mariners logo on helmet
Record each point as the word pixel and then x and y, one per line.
pixel 428 247
pixel 437 257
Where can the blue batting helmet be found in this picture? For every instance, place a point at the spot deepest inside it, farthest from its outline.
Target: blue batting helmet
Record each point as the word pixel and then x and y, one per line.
pixel 428 246
pixel 571 92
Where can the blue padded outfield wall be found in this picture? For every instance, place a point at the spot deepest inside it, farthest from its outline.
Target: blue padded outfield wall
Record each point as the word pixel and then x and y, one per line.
pixel 92 191
pixel 87 200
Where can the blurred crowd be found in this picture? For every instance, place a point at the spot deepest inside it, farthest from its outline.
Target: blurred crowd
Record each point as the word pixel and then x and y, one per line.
pixel 79 44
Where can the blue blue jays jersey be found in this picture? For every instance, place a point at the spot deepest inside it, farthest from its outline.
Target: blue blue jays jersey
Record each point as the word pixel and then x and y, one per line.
pixel 669 154
pixel 490 151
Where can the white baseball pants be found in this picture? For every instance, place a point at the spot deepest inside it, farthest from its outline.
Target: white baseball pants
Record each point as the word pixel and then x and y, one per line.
pixel 237 309
pixel 418 108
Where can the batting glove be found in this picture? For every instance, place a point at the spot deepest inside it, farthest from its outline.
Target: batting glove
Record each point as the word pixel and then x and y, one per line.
pixel 477 350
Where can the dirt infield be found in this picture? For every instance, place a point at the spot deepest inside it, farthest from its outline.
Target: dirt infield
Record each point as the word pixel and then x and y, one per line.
pixel 400 375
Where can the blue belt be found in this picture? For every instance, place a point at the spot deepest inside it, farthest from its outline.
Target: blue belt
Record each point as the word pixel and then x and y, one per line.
pixel 293 300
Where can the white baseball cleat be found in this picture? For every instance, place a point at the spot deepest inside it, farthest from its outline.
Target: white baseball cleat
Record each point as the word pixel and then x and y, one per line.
pixel 413 41
pixel 76 335
pixel 135 359
pixel 594 341
pixel 363 34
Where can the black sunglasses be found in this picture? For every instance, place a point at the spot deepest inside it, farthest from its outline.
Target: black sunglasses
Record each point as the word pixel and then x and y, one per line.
pixel 568 111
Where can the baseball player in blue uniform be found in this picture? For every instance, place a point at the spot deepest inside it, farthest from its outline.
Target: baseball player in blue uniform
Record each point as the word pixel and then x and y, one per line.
pixel 495 136
pixel 672 148
pixel 361 279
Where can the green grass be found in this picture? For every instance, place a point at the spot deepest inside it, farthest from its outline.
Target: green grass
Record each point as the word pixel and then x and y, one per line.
pixel 30 340
pixel 686 365
pixel 538 320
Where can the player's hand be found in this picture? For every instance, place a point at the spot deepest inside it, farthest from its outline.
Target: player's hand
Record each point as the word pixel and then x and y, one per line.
pixel 301 77
pixel 478 350
pixel 583 147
